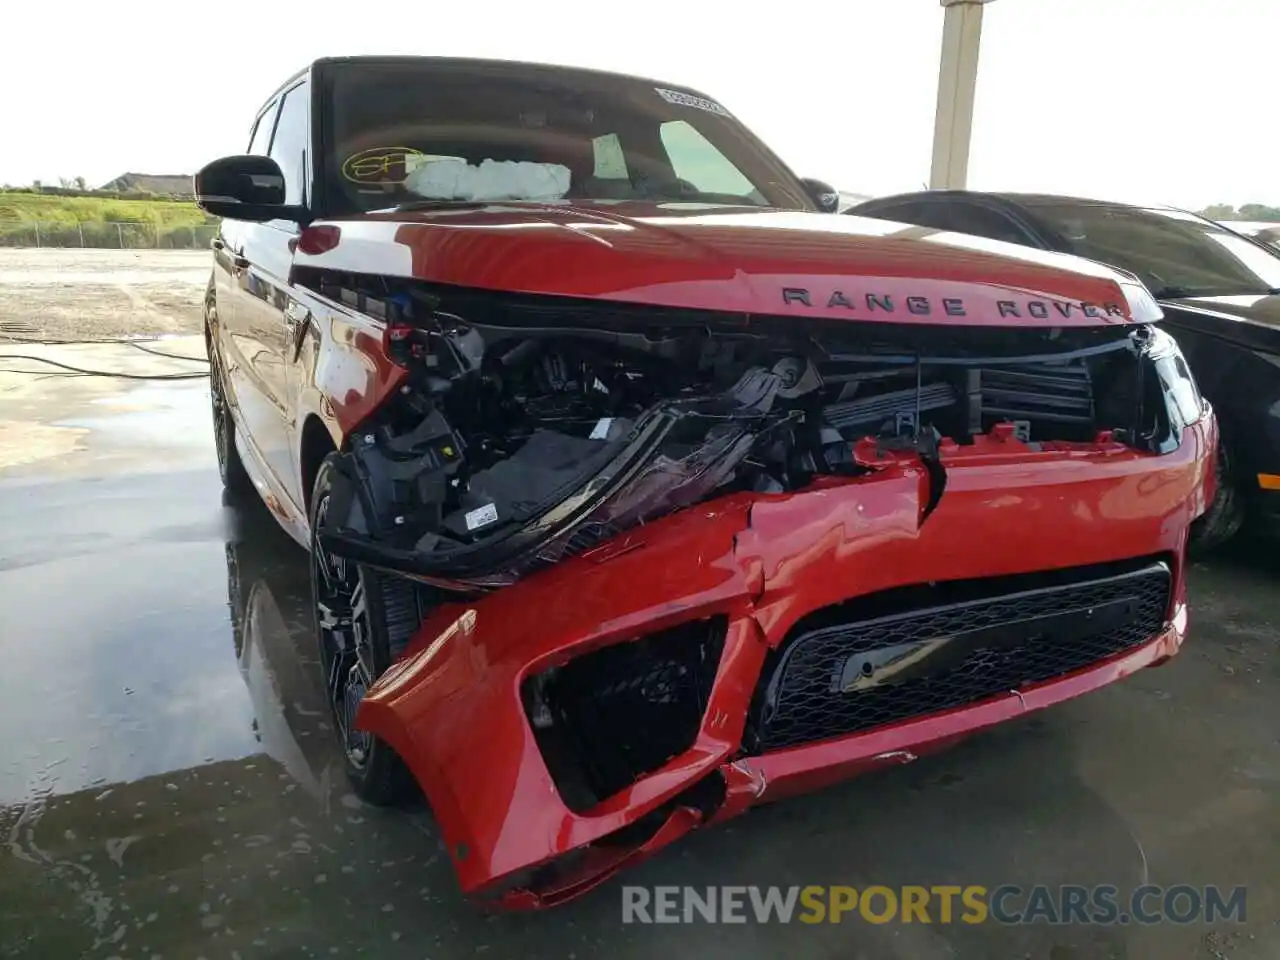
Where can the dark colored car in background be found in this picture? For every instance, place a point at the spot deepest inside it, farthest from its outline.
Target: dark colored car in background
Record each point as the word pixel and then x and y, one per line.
pixel 640 489
pixel 1220 292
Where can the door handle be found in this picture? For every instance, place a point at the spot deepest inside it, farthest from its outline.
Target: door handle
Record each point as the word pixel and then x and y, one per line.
pixel 240 262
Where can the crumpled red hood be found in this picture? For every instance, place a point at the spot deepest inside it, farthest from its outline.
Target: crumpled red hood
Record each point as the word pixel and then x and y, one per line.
pixel 731 259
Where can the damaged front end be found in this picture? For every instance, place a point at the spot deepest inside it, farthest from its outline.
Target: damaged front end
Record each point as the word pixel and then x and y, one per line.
pixel 546 485
pixel 526 433
pixel 648 531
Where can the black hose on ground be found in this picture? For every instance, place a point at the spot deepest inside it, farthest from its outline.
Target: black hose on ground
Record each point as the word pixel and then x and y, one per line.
pixel 82 371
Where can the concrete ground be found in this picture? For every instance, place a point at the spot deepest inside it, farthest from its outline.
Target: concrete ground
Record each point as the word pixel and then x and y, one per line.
pixel 169 786
pixel 100 294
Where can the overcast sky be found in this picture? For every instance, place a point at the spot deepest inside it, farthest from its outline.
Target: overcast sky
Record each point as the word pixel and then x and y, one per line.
pixel 1103 98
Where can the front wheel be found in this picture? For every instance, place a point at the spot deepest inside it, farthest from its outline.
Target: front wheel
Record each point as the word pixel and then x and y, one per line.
pixel 363 619
pixel 235 479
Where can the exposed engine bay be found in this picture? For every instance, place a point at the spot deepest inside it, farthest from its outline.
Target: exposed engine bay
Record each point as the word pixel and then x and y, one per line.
pixel 529 429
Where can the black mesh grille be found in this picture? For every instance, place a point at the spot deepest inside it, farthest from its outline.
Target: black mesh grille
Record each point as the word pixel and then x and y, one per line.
pixel 891 657
pixel 608 717
pixel 1043 392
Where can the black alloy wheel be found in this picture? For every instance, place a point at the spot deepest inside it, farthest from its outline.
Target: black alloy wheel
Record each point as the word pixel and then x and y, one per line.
pixel 355 647
pixel 235 479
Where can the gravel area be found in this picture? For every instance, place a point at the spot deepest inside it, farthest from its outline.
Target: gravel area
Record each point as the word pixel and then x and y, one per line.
pixel 55 294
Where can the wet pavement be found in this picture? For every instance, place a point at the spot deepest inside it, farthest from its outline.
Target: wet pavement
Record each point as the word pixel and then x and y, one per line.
pixel 169 787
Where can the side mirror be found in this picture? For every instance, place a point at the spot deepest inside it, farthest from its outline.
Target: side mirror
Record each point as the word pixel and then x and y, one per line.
pixel 244 188
pixel 823 194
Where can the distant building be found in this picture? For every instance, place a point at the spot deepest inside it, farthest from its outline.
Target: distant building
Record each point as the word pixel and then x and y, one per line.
pixel 177 185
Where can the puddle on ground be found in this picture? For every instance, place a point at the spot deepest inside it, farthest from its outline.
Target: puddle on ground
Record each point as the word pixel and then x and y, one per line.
pixel 169 413
pixel 23 443
pixel 136 646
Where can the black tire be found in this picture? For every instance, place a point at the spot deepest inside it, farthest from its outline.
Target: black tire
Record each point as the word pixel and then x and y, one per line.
pixel 235 479
pixel 1225 515
pixel 362 620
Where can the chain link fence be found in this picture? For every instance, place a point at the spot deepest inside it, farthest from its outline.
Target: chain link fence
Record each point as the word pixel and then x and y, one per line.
pixel 106 234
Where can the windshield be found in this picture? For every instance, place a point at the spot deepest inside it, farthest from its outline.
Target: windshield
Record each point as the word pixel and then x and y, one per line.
pixel 405 132
pixel 1176 255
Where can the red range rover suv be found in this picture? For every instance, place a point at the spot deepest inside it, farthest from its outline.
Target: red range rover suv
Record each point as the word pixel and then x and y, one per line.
pixel 638 487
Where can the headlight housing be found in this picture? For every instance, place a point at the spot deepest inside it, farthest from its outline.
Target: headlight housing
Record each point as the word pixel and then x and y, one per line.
pixel 1182 394
pixel 1143 307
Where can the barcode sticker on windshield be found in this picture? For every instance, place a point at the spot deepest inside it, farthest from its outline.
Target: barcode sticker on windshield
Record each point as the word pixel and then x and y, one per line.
pixel 689 100
pixel 481 516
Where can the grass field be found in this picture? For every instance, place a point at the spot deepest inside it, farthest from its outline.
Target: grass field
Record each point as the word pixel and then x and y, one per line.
pixel 97 221
pixel 54 209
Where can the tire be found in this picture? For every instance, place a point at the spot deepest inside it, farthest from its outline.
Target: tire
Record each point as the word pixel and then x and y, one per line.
pixel 362 621
pixel 1225 515
pixel 235 479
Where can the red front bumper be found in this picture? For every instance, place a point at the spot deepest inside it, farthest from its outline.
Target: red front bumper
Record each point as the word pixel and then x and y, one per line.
pixel 452 706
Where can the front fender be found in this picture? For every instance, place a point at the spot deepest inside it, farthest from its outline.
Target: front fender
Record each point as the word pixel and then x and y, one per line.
pixel 452 707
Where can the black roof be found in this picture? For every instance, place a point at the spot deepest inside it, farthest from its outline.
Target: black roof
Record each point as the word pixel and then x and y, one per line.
pixel 498 62
pixel 1048 199
pixel 1029 200
pixel 472 62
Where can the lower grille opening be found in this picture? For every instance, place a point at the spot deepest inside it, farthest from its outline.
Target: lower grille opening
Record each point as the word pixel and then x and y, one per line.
pixel 906 653
pixel 606 719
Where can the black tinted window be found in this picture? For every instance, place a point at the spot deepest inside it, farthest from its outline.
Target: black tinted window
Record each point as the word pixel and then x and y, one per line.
pixel 405 132
pixel 918 212
pixel 1176 255
pixel 954 217
pixel 981 222
pixel 289 145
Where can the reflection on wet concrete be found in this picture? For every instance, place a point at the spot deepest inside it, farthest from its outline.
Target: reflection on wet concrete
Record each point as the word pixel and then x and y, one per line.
pixel 278 670
pixel 169 786
pixel 119 595
pixel 168 413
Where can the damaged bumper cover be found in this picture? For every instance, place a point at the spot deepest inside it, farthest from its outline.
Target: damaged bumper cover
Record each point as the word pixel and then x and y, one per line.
pixel 759 644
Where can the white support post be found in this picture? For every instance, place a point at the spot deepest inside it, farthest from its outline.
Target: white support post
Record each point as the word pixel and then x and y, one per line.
pixel 957 79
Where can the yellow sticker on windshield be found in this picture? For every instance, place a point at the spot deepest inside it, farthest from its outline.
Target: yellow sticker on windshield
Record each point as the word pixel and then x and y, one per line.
pixel 378 165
